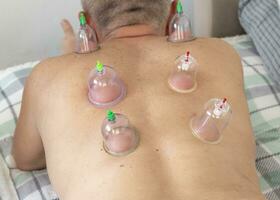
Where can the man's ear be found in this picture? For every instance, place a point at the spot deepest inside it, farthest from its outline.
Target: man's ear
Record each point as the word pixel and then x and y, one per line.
pixel 171 14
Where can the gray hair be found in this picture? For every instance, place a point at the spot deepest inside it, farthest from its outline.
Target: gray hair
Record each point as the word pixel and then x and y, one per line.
pixel 111 14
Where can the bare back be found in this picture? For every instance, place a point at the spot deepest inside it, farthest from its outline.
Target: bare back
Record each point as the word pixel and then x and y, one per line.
pixel 169 164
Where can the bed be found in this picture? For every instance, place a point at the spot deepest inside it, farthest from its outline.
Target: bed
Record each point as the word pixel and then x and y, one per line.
pixel 263 98
pixel 263 102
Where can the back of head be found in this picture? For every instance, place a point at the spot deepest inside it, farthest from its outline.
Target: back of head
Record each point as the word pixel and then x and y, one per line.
pixel 109 15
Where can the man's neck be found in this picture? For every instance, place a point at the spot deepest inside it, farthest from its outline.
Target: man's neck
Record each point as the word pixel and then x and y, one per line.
pixel 131 31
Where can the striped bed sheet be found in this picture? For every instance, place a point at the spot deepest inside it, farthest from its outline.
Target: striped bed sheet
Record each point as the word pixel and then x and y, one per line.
pixel 33 185
pixel 263 102
pixel 264 105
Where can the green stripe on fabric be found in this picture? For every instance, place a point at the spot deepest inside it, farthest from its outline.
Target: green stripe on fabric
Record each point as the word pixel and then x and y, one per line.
pixel 264 185
pixel 251 104
pixel 22 178
pixel 7 128
pixel 273 178
pixel 265 125
pixel 273 146
pixel 253 80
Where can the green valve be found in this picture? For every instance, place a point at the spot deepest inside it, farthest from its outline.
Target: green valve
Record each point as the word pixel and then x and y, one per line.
pixel 83 20
pixel 179 7
pixel 111 116
pixel 99 66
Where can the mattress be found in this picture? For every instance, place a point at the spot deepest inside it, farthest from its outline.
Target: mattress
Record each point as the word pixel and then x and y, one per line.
pixel 263 102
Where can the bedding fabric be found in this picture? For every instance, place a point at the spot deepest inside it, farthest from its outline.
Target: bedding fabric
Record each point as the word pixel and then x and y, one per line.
pixel 28 185
pixel 264 106
pixel 263 102
pixel 7 190
pixel 261 20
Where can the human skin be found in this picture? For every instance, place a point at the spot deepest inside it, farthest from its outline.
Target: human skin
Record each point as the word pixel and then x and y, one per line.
pixel 205 129
pixel 105 94
pixel 181 81
pixel 122 142
pixel 57 124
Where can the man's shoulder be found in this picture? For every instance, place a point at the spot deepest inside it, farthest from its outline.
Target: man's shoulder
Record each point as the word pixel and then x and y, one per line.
pixel 44 72
pixel 200 43
pixel 49 67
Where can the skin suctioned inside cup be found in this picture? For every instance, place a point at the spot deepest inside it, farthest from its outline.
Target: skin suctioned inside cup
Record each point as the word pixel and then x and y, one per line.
pixel 106 94
pixel 181 81
pixel 122 142
pixel 206 131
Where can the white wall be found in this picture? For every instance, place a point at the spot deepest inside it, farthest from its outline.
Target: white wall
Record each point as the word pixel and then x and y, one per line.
pixel 30 29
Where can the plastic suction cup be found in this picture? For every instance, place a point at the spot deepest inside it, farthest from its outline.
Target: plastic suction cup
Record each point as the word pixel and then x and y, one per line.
pixel 208 126
pixel 180 27
pixel 105 87
pixel 183 78
pixel 86 41
pixel 119 138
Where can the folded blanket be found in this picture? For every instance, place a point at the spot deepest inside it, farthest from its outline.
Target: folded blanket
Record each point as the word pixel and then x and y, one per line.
pixel 261 20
